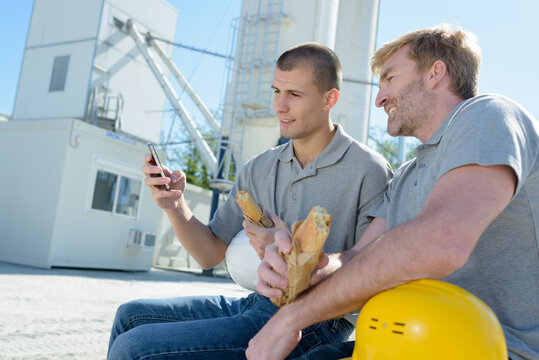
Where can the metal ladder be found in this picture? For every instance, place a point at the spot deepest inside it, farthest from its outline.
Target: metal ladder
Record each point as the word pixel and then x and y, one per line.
pixel 256 53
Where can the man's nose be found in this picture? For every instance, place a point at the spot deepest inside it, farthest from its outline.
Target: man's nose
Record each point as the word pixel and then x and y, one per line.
pixel 279 104
pixel 381 98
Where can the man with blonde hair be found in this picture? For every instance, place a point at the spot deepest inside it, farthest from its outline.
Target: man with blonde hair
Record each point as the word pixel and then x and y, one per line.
pixel 466 210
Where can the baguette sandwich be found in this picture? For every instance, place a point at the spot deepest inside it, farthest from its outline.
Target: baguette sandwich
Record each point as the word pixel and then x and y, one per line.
pixel 311 234
pixel 308 239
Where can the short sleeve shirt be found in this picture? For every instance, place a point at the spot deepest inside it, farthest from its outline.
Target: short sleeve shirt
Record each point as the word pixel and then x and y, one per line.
pixel 346 179
pixel 503 269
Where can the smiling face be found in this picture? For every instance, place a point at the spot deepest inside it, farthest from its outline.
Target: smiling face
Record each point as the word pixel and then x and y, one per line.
pixel 300 106
pixel 403 95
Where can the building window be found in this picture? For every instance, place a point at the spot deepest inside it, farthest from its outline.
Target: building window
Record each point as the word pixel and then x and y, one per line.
pixel 59 73
pixel 116 193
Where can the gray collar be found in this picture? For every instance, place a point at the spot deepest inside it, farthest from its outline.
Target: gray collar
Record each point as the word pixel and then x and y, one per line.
pixel 439 133
pixel 331 154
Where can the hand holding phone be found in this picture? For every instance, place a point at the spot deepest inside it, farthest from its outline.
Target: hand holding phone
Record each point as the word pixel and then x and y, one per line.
pixel 158 163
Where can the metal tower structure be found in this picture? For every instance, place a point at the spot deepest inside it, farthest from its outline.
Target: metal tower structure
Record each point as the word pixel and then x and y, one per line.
pixel 250 97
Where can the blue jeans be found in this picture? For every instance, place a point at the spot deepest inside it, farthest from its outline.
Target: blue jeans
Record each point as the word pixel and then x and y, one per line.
pixel 212 327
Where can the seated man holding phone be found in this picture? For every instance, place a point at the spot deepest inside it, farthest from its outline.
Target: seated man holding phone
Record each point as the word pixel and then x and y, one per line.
pixel 321 165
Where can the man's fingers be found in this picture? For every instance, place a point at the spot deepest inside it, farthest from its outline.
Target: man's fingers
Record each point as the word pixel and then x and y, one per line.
pixel 275 260
pixel 279 224
pixel 176 176
pixel 150 170
pixel 158 194
pixel 249 227
pixel 283 241
pixel 259 237
pixel 265 290
pixel 267 277
pixel 155 182
pixel 148 159
pixel 323 262
pixel 258 248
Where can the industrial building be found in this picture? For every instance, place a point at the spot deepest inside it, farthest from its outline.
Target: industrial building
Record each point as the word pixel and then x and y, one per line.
pixel 80 124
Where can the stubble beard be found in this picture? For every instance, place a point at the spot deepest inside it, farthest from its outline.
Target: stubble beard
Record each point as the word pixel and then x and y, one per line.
pixel 413 104
pixel 297 133
pixel 287 134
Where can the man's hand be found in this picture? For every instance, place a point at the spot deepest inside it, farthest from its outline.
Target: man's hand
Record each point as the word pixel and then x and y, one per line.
pixel 260 237
pixel 276 339
pixel 166 200
pixel 273 270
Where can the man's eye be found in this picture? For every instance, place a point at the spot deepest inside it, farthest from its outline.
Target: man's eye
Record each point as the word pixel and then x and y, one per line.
pixel 294 94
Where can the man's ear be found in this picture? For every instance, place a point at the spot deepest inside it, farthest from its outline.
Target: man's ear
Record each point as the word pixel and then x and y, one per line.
pixel 436 74
pixel 330 99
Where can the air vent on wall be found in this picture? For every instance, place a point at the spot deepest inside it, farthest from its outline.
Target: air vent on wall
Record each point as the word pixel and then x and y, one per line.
pixel 139 239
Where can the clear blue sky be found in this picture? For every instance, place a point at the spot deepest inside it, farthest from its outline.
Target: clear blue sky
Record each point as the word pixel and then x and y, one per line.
pixel 508 33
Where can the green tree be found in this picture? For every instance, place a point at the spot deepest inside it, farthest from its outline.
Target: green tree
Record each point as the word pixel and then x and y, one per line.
pixel 184 155
pixel 389 147
pixel 195 169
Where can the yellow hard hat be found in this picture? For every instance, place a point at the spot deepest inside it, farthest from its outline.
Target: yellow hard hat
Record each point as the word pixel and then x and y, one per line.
pixel 428 319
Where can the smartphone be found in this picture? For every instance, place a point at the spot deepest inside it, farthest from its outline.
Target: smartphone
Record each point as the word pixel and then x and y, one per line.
pixel 158 163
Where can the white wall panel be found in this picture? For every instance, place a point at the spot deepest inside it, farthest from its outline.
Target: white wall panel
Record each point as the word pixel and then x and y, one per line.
pixel 35 101
pixel 58 21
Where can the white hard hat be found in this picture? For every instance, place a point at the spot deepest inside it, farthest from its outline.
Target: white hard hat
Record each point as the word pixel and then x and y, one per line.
pixel 242 261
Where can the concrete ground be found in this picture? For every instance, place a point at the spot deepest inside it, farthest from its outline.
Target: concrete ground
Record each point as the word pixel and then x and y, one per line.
pixel 67 313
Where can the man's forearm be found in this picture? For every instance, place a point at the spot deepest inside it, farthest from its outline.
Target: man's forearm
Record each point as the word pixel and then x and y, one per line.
pixel 369 272
pixel 321 302
pixel 383 264
pixel 373 231
pixel 433 245
pixel 335 262
pixel 197 238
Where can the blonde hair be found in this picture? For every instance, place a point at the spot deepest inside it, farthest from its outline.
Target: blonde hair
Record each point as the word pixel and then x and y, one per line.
pixel 457 48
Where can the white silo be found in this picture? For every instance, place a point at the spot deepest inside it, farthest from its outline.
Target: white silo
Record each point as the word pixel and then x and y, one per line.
pixel 266 28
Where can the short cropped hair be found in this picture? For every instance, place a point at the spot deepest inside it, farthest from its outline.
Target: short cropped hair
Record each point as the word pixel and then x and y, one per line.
pixel 457 48
pixel 325 63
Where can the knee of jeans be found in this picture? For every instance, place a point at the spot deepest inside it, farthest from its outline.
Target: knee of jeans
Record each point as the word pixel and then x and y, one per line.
pixel 121 347
pixel 128 310
pixel 124 315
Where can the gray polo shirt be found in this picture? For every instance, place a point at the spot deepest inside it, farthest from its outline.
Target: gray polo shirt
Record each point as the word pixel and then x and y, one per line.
pixel 503 269
pixel 347 179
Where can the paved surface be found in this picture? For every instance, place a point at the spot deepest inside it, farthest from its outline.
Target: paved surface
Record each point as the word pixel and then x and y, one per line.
pixel 67 313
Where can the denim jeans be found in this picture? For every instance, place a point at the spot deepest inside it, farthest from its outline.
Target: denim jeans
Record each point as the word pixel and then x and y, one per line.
pixel 330 352
pixel 212 327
